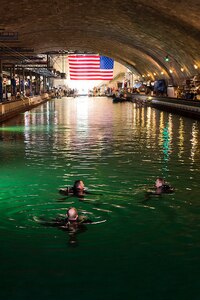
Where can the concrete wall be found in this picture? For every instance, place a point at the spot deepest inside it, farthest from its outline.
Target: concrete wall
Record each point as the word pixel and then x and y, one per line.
pixel 10 109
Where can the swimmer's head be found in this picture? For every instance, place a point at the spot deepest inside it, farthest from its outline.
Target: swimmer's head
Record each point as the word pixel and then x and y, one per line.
pixel 79 185
pixel 72 214
pixel 159 182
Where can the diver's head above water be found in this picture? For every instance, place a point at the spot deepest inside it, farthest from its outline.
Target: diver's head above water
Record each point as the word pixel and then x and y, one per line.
pixel 79 185
pixel 159 182
pixel 72 214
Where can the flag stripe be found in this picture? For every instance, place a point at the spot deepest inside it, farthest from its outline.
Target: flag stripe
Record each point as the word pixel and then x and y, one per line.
pixel 84 60
pixel 83 56
pixel 91 78
pixel 83 68
pixel 90 67
pixel 77 72
pixel 84 64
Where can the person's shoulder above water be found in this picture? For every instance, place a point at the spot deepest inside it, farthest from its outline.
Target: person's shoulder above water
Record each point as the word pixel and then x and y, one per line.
pixel 77 188
pixel 71 220
pixel 72 216
pixel 74 220
pixel 162 187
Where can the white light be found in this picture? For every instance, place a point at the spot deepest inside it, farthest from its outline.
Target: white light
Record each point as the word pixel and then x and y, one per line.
pixel 195 66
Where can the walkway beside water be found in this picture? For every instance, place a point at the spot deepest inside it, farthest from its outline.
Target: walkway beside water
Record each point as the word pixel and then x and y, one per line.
pixel 190 108
pixel 12 108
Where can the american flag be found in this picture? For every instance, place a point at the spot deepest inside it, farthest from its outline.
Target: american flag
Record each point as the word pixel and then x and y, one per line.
pixel 90 67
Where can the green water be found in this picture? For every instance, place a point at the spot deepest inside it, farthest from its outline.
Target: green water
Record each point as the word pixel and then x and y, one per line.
pixel 136 249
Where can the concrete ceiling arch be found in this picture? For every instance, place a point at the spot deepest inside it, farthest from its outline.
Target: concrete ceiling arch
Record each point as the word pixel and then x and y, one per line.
pixel 139 33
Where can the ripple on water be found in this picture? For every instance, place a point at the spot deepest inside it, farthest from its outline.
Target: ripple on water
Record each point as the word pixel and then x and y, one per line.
pixel 118 150
pixel 26 220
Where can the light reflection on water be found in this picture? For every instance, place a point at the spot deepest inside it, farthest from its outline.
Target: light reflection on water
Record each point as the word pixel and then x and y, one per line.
pixel 118 150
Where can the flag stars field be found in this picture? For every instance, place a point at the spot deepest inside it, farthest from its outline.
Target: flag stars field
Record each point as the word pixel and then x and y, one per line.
pixel 90 67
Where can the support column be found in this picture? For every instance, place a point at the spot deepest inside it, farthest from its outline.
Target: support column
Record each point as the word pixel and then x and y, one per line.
pixel 1 82
pixel 47 84
pixel 22 82
pixel 48 62
pixel 19 75
pixel 44 84
pixel 31 92
pixel 13 81
pixel 37 87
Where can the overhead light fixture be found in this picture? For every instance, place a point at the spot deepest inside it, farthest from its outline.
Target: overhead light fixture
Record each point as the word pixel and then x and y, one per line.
pixel 195 66
pixel 170 71
pixel 166 58
pixel 182 69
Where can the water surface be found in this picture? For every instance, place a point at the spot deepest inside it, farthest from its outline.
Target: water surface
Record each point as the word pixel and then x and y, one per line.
pixel 137 248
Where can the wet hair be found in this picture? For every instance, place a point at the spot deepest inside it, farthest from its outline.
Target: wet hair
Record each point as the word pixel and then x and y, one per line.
pixel 159 182
pixel 160 179
pixel 76 183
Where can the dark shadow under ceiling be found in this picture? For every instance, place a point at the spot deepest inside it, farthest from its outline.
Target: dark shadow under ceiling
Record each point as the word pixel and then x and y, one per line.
pixel 139 34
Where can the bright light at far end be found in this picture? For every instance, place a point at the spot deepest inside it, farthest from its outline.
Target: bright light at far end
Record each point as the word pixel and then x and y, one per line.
pixel 195 66
pixel 83 86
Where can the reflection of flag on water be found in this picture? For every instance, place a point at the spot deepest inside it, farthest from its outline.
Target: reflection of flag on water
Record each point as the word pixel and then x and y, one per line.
pixel 90 67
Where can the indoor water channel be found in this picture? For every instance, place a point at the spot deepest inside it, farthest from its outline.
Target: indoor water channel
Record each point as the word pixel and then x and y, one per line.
pixel 136 247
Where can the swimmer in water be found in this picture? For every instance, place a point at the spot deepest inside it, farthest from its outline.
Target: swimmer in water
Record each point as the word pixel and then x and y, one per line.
pixel 72 217
pixel 78 190
pixel 161 187
pixel 73 223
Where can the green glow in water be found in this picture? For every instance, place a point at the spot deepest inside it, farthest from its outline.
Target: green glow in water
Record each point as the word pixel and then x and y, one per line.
pixel 144 249
pixel 23 128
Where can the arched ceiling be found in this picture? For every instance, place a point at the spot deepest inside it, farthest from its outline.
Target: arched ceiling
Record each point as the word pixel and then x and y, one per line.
pixel 137 33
